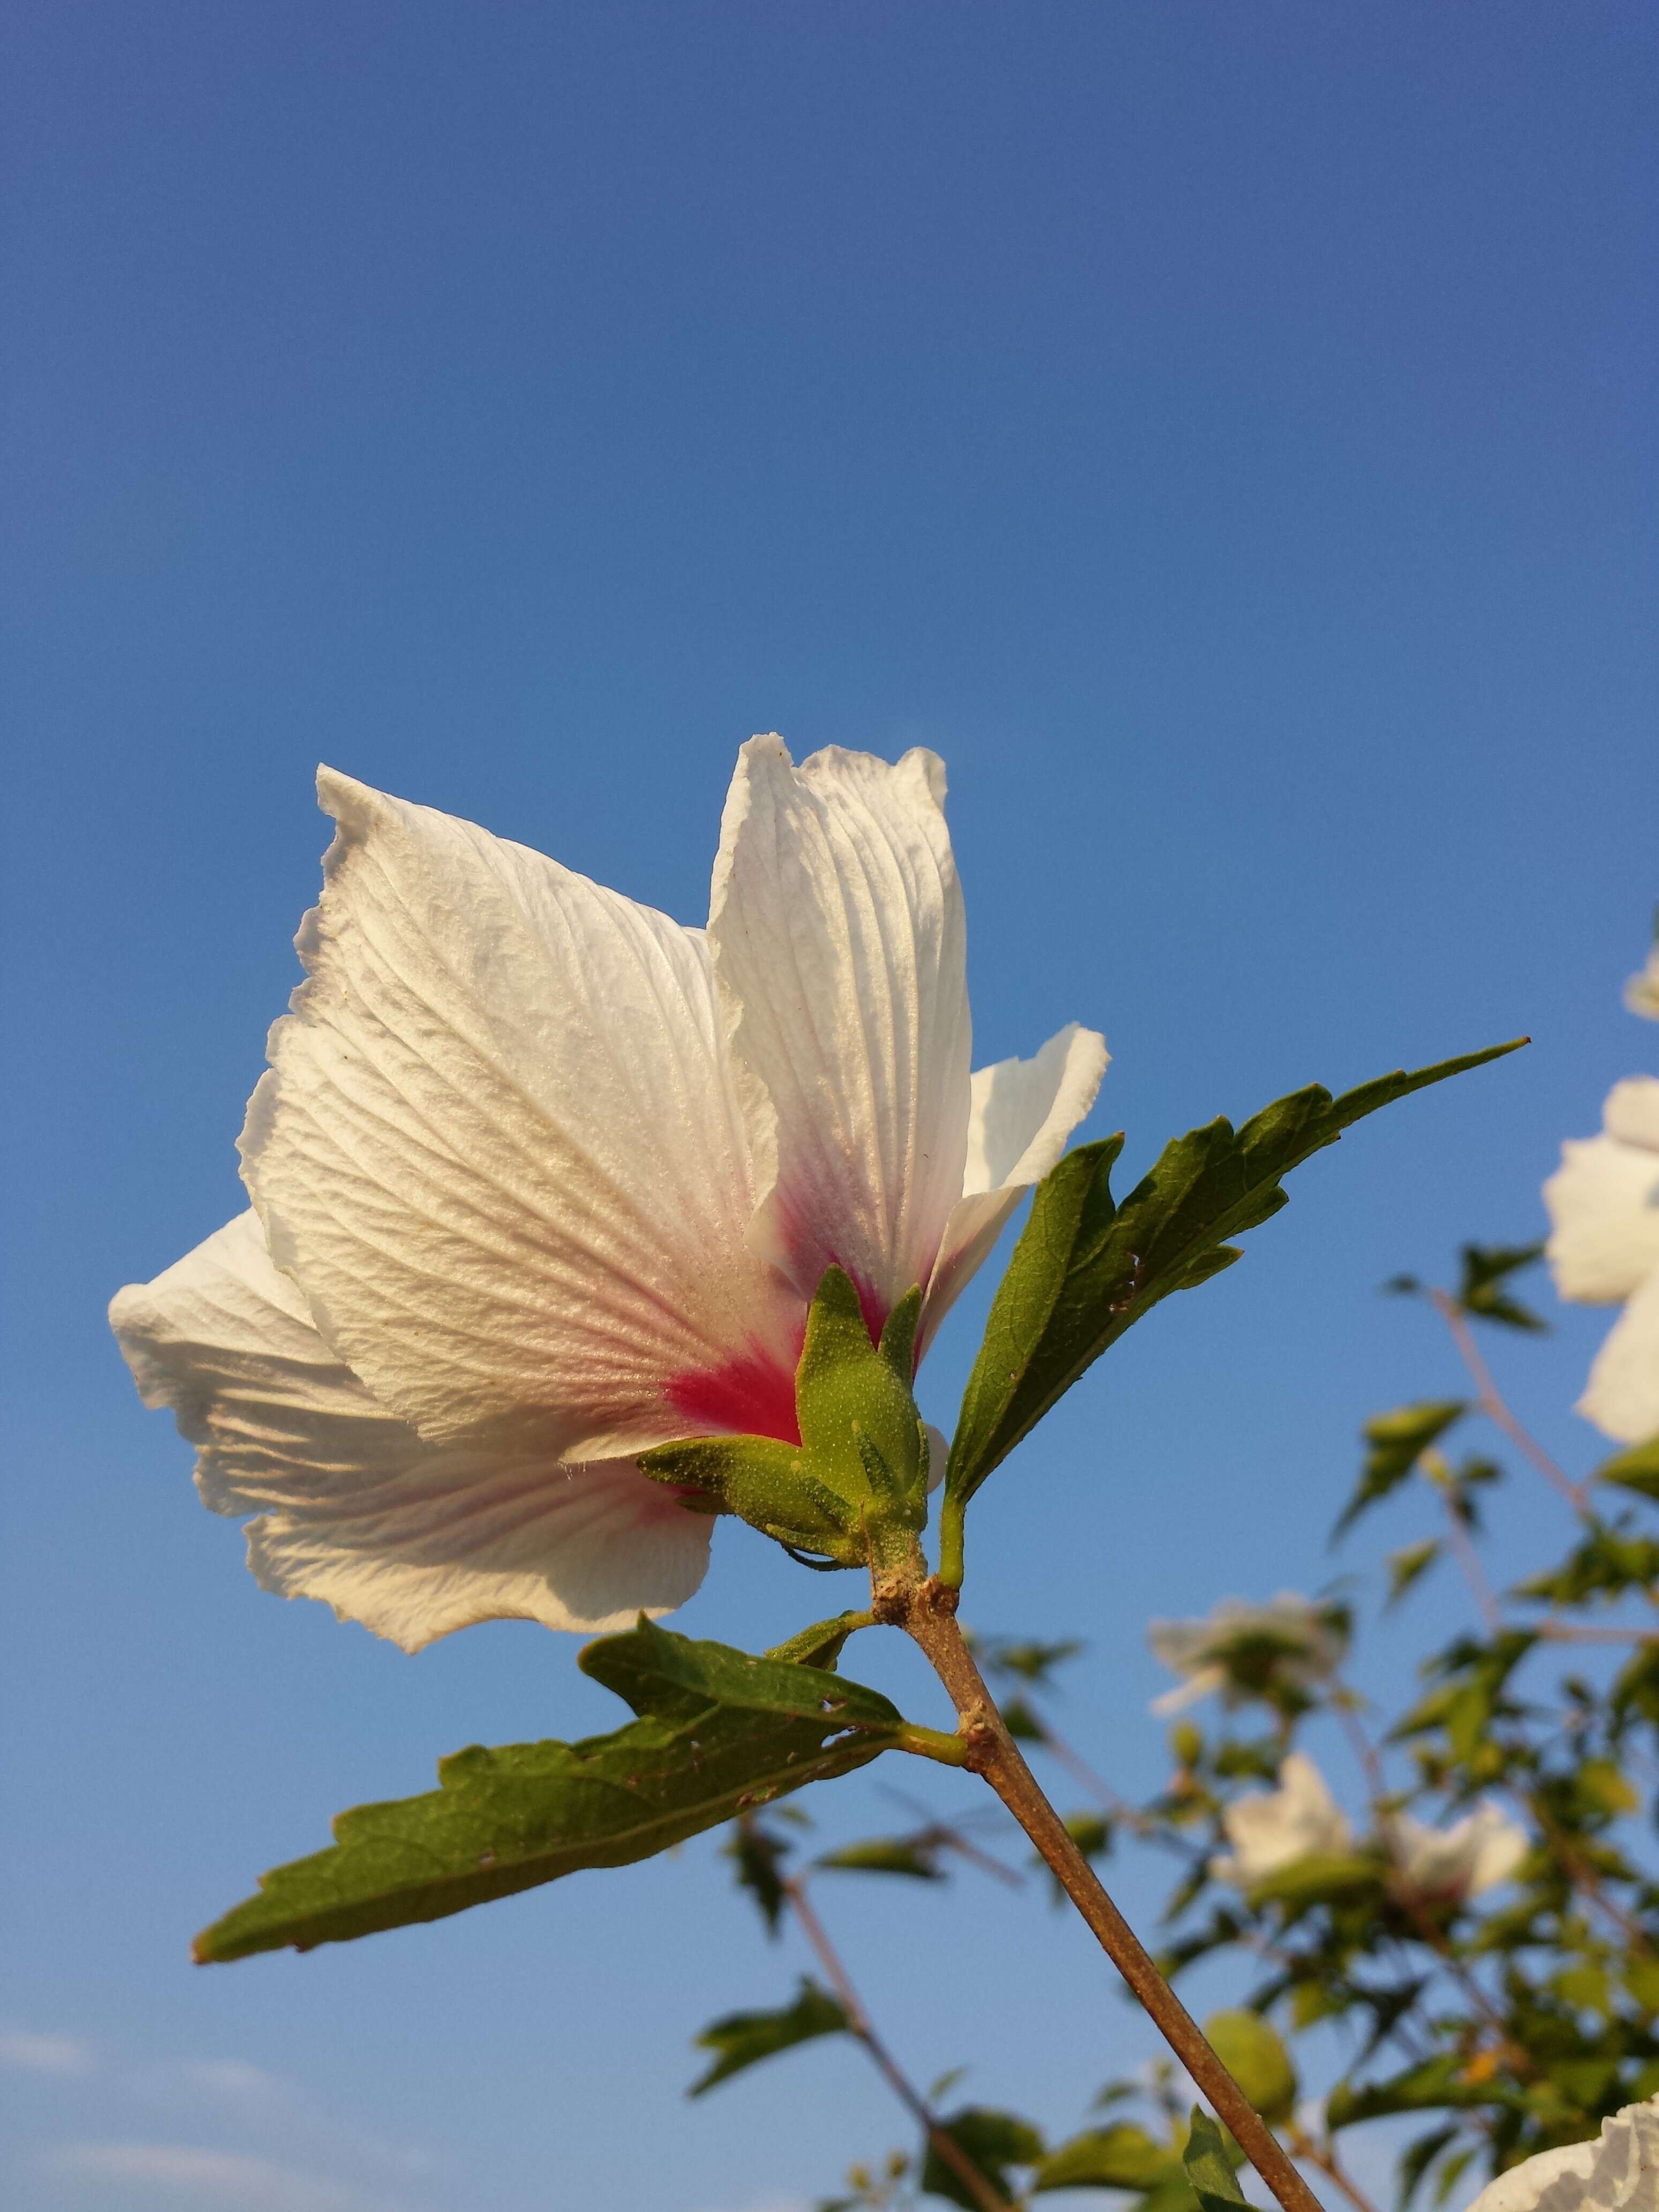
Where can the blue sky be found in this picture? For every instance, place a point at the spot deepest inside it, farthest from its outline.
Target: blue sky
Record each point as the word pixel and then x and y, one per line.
pixel 1227 433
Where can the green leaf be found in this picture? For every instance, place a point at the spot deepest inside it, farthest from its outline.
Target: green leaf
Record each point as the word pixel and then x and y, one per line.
pixel 1121 2156
pixel 1605 1565
pixel 1637 1470
pixel 1020 1718
pixel 1320 1878
pixel 719 1731
pixel 1209 2169
pixel 1396 1441
pixel 1438 2084
pixel 1086 1269
pixel 744 2039
pixel 905 1855
pixel 1031 1661
pixel 758 1854
pixel 1416 2159
pixel 993 2141
pixel 1487 1269
pixel 1408 1567
pixel 1250 2049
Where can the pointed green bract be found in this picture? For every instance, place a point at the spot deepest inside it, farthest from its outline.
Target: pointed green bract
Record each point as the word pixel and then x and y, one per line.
pixel 718 1731
pixel 1086 1269
pixel 855 1490
pixel 744 2039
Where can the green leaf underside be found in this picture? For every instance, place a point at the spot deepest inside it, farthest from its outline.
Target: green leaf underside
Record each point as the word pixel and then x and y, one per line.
pixel 744 2039
pixel 718 1731
pixel 1085 1269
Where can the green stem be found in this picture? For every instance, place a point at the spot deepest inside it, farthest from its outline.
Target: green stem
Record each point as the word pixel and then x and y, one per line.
pixel 952 1519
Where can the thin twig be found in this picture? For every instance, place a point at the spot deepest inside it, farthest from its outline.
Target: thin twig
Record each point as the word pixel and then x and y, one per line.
pixel 859 2025
pixel 1323 2155
pixel 927 1610
pixel 1581 1875
pixel 1437 1474
pixel 1344 1704
pixel 1574 1631
pixel 1491 1403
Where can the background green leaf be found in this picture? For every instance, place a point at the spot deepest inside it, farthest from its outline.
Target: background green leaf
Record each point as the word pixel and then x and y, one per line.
pixel 1121 2156
pixel 993 2141
pixel 744 2039
pixel 1250 2049
pixel 1395 1443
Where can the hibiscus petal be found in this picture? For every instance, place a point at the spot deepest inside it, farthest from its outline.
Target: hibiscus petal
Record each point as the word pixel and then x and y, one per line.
pixel 500 1148
pixel 411 1539
pixel 1603 1203
pixel 1623 1397
pixel 1024 1110
pixel 836 924
pixel 1632 1111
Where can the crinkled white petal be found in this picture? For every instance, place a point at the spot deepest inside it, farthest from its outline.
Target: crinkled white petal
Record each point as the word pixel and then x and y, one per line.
pixel 1623 1395
pixel 1603 1204
pixel 1500 1844
pixel 1272 1829
pixel 1632 1111
pixel 1204 1683
pixel 410 1538
pixel 1474 1854
pixel 1022 1112
pixel 1618 2171
pixel 499 1147
pixel 836 926
pixel 1311 1643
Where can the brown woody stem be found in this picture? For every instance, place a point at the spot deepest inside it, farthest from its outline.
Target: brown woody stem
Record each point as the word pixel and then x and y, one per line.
pixel 926 1610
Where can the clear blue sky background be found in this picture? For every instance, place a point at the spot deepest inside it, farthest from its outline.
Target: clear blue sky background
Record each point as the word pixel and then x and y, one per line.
pixel 1226 432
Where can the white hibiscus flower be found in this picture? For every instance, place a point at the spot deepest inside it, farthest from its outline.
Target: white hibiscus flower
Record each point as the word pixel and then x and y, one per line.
pixel 1603 1203
pixel 1244 1649
pixel 1271 1829
pixel 541 1179
pixel 1449 1864
pixel 1642 991
pixel 1617 2172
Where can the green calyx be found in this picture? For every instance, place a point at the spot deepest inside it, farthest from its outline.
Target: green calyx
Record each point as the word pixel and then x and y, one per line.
pixel 853 1493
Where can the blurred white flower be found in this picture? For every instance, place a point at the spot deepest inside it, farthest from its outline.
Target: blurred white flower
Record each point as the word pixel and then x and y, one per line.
pixel 1448 1864
pixel 1246 1651
pixel 1642 991
pixel 1269 1829
pixel 541 1179
pixel 1617 2172
pixel 1603 1203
